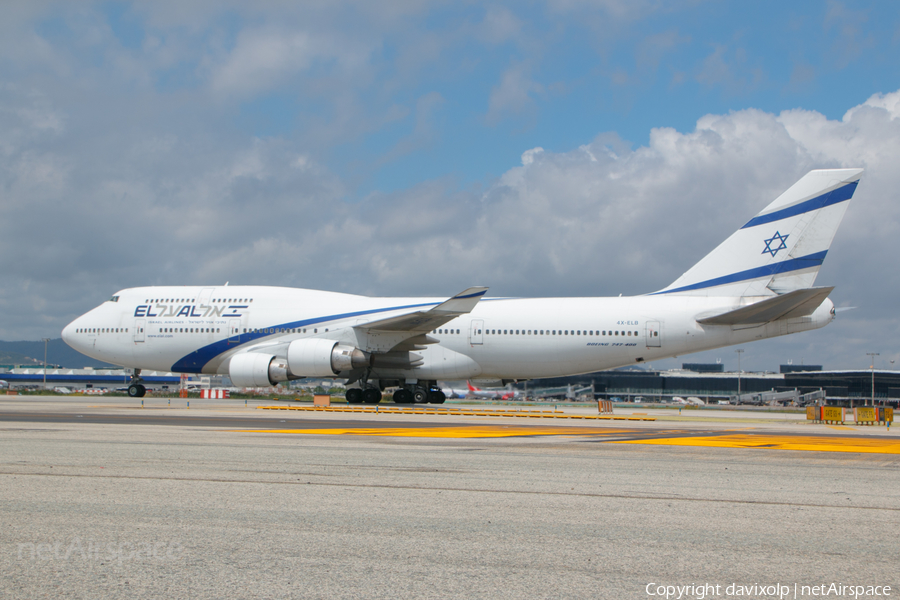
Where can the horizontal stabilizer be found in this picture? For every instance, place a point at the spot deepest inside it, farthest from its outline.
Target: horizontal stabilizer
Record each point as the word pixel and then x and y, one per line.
pixel 427 320
pixel 799 303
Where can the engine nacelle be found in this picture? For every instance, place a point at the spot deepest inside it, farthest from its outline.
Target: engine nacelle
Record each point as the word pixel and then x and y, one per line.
pixel 323 358
pixel 254 369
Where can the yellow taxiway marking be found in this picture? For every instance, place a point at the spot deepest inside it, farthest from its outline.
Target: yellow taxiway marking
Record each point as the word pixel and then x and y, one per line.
pixel 726 440
pixel 484 431
pixel 780 442
pixel 459 412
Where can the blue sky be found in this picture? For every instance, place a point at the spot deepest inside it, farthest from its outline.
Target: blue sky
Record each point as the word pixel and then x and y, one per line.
pixel 377 147
pixel 502 77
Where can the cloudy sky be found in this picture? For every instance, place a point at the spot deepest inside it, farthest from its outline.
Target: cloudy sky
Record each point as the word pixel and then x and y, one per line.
pixel 415 147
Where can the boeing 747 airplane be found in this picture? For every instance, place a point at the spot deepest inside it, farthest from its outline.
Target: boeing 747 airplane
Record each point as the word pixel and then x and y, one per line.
pixel 757 284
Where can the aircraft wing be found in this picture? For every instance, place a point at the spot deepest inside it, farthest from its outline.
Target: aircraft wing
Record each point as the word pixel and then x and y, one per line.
pixel 799 303
pixel 423 321
pixel 409 332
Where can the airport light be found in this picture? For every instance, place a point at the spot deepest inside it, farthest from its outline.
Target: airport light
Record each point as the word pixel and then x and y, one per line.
pixel 873 355
pixel 739 352
pixel 45 362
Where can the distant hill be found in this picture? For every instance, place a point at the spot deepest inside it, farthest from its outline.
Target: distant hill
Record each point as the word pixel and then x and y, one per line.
pixel 14 358
pixel 58 353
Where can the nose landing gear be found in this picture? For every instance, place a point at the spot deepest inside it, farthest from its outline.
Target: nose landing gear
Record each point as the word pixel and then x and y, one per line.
pixel 136 388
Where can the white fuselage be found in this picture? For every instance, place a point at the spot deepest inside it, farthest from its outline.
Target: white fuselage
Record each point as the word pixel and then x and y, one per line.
pixel 199 329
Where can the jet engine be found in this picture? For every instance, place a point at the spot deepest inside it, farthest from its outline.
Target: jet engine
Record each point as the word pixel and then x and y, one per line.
pixel 252 369
pixel 305 358
pixel 324 358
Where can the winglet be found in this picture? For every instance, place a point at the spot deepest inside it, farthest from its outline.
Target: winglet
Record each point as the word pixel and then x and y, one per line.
pixel 461 303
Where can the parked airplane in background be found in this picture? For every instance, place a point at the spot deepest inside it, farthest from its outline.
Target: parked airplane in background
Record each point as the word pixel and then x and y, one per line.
pixel 757 284
pixel 691 400
pixel 450 392
pixel 473 392
pixel 501 394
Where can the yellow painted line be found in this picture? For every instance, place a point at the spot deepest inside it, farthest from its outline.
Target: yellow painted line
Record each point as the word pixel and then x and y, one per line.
pixel 546 414
pixel 486 431
pixel 839 427
pixel 781 442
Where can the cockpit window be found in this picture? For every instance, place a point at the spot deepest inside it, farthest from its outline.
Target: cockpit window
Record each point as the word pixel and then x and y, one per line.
pixel 114 299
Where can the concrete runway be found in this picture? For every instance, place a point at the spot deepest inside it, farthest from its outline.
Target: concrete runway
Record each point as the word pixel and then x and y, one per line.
pixel 216 502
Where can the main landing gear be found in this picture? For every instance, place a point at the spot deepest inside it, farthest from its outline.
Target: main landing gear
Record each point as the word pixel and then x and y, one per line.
pixel 136 388
pixel 370 395
pixel 418 394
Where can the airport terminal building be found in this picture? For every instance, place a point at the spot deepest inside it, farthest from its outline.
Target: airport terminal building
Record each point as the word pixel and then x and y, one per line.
pixel 709 382
pixel 712 384
pixel 78 379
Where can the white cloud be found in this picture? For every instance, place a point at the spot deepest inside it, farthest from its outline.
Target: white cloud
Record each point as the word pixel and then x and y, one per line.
pixel 528 155
pixel 513 96
pixel 500 25
pixel 889 102
pixel 262 59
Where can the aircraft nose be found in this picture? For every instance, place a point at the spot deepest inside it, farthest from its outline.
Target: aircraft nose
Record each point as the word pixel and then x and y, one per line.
pixel 68 333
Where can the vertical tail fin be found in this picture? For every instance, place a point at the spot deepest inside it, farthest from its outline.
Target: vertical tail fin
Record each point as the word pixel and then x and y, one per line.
pixel 782 248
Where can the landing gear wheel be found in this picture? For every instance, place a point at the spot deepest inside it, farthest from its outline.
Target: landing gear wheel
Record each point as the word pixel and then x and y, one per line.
pixel 136 390
pixel 403 396
pixel 436 397
pixel 354 396
pixel 371 396
pixel 420 396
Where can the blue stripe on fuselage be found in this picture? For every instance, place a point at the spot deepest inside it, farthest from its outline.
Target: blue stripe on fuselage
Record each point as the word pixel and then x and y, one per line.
pixel 795 264
pixel 194 362
pixel 835 196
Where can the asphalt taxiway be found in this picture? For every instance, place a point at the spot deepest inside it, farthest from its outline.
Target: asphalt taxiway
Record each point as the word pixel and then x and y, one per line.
pixel 101 497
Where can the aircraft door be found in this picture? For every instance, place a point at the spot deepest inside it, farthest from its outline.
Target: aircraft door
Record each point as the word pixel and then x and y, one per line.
pixel 205 296
pixel 654 334
pixel 139 330
pixel 236 327
pixel 475 333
